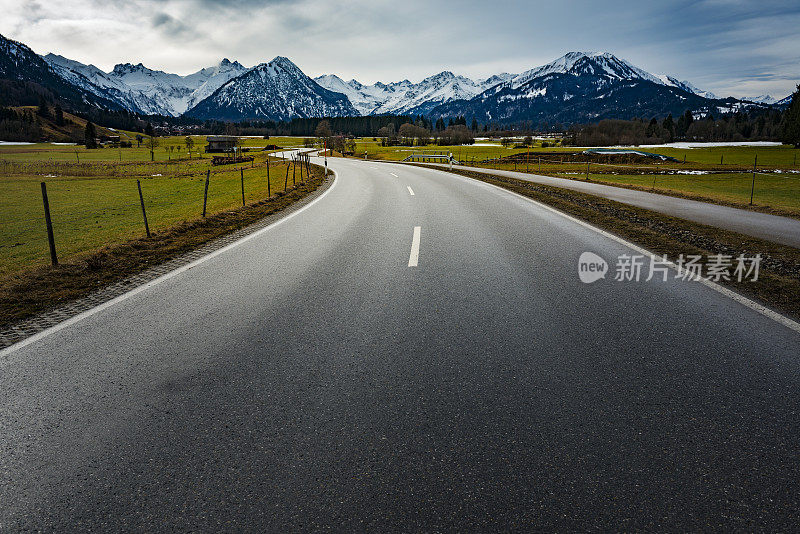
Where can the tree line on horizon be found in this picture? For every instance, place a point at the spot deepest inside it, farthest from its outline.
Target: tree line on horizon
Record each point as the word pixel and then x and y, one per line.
pixel 17 124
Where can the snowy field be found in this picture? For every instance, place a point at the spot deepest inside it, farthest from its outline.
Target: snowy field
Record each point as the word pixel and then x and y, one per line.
pixel 686 144
pixel 22 143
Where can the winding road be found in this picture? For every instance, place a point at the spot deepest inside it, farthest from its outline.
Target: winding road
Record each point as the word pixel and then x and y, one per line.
pixel 412 351
pixel 775 228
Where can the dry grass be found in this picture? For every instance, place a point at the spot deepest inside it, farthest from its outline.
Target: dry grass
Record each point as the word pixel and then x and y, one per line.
pixel 36 290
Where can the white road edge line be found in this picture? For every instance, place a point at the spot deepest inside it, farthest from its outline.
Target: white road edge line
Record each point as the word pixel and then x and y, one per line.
pixel 741 299
pixel 410 191
pixel 414 257
pixel 88 313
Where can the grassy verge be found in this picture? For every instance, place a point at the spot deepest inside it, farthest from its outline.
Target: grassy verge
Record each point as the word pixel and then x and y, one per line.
pixel 31 291
pixel 92 210
pixel 776 193
pixel 720 174
pixel 778 285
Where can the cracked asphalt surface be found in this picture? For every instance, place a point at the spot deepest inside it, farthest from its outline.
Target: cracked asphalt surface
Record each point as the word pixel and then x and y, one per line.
pixel 308 379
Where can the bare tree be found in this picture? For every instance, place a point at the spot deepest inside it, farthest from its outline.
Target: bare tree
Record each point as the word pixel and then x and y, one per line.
pixel 323 130
pixel 189 144
pixel 152 144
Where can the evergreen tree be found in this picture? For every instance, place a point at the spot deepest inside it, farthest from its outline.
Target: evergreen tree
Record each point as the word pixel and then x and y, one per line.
pixel 790 129
pixel 669 126
pixel 43 110
pixel 59 115
pixel 148 130
pixel 90 135
pixel 474 127
pixel 685 121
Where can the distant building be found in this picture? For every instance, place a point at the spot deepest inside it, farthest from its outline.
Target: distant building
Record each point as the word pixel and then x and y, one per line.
pixel 105 140
pixel 220 143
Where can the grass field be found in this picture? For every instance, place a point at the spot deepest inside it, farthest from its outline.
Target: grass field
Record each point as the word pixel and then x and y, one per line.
pixel 739 156
pixel 41 152
pixel 96 202
pixel 777 184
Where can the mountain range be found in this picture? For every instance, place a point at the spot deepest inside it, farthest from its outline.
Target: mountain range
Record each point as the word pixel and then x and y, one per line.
pixel 577 87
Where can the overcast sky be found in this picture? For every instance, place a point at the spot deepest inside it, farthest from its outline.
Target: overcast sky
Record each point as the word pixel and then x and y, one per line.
pixel 731 47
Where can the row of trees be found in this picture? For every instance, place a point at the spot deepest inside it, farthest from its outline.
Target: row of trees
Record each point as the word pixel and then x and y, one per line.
pixel 790 132
pixel 411 134
pixel 757 125
pixel 19 126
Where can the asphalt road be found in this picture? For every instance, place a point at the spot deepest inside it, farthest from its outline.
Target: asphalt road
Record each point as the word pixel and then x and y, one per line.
pixel 310 379
pixel 775 228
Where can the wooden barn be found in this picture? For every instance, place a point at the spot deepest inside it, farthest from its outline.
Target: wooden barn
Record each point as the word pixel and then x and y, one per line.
pixel 220 143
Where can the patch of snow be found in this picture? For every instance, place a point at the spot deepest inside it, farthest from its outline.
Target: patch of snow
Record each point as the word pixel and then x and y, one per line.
pixel 691 144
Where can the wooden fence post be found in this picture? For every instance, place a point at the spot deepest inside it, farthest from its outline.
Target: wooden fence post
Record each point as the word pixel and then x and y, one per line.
pixel 50 239
pixel 205 192
pixel 242 173
pixel 753 186
pixel 144 213
pixel 269 194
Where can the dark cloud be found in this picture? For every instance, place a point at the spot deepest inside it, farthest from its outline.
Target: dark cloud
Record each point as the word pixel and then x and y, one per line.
pixel 728 46
pixel 167 24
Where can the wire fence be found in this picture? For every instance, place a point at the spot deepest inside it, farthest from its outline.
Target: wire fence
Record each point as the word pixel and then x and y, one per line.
pixel 769 186
pixel 85 214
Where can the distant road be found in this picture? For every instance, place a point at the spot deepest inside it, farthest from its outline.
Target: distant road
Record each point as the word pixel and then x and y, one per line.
pixel 783 230
pixel 413 351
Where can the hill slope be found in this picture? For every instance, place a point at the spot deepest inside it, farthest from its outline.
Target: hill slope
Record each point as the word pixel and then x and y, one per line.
pixel 25 78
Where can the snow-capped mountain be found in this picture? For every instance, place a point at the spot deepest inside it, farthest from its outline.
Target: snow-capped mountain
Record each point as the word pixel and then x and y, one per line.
pixel 577 87
pixel 762 99
pixel 601 64
pixel 434 90
pixel 21 64
pixel 405 97
pixel 213 78
pixel 685 85
pixel 364 98
pixel 277 90
pixel 580 87
pixel 99 83
pixel 144 90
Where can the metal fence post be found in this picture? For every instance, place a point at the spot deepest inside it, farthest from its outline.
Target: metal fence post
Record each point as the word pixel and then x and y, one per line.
pixel 753 186
pixel 51 240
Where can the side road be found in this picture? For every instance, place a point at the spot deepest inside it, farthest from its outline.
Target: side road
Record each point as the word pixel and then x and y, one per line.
pixel 775 228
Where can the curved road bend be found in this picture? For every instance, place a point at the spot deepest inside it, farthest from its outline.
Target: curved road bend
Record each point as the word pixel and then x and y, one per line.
pixel 308 378
pixel 775 228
